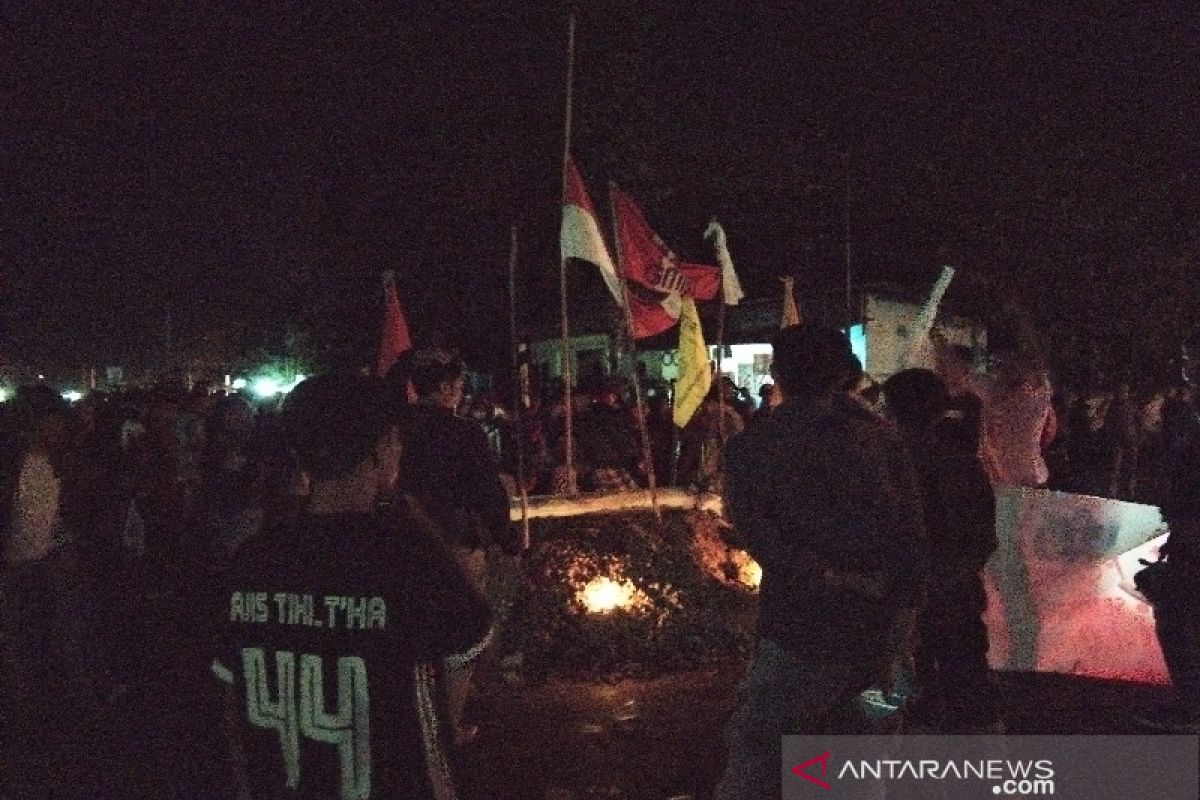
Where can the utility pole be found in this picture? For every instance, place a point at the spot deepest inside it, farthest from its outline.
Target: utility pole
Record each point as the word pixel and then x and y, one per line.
pixel 849 264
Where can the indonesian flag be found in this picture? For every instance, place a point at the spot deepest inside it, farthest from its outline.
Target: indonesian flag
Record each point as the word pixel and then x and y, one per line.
pixel 394 340
pixel 580 236
pixel 657 279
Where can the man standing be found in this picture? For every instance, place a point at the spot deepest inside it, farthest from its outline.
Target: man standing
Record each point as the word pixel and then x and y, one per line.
pixel 331 631
pixel 449 469
pixel 829 507
pixel 960 512
pixel 1173 584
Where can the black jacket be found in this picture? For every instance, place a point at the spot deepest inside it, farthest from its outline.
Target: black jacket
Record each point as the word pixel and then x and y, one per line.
pixel 814 488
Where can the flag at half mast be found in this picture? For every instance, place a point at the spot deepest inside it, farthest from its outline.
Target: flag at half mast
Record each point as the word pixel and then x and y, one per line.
pixel 580 235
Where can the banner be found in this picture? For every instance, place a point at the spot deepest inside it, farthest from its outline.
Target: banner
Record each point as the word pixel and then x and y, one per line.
pixel 1060 586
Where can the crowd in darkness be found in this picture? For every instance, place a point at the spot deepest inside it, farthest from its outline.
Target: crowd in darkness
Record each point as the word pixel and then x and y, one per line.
pixel 1109 441
pixel 147 499
pixel 1120 444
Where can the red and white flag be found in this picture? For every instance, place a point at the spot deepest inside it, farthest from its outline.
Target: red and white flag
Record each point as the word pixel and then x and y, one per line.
pixel 394 340
pixel 657 278
pixel 580 236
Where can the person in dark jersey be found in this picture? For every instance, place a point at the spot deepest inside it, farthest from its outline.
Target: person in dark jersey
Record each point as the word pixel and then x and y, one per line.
pixel 449 470
pixel 960 514
pixel 331 630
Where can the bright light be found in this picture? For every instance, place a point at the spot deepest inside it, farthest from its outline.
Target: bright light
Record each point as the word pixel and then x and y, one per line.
pixel 238 384
pixel 602 595
pixel 749 573
pixel 266 387
pixel 858 343
pixel 72 396
pixel 3 395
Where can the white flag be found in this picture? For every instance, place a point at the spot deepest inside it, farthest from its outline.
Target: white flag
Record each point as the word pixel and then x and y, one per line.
pixel 924 321
pixel 731 287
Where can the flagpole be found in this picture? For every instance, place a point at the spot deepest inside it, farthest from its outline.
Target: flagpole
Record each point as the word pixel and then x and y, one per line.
pixel 720 357
pixel 518 417
pixel 643 430
pixel 568 378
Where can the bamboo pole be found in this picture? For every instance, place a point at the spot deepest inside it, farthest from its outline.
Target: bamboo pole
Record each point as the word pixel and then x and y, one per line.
pixel 720 382
pixel 568 377
pixel 631 347
pixel 557 506
pixel 518 417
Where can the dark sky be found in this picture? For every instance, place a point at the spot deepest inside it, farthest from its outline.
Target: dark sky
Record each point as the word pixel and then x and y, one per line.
pixel 238 166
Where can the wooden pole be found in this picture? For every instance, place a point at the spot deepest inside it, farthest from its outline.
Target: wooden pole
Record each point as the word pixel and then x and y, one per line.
pixel 643 430
pixel 518 417
pixel 568 377
pixel 720 382
pixel 548 506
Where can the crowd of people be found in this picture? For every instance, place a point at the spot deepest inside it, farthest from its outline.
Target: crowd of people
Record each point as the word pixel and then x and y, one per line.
pixel 336 547
pixel 1108 442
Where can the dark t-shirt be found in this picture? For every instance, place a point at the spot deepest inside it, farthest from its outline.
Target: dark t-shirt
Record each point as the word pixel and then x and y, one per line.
pixel 447 464
pixel 330 634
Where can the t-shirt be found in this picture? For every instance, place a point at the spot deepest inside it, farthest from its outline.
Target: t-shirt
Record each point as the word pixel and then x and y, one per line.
pixel 331 634
pixel 1015 422
pixel 35 523
pixel 448 465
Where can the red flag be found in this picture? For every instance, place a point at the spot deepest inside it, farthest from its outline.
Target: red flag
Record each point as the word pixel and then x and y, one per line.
pixel 580 234
pixel 394 340
pixel 657 278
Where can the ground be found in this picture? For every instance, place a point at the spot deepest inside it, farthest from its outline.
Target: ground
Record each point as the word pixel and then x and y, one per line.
pixel 563 740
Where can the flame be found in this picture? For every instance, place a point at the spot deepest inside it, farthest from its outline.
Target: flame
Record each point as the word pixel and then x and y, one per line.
pixel 602 595
pixel 750 574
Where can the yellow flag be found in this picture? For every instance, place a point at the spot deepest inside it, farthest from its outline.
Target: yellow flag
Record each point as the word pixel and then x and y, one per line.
pixel 791 313
pixel 695 377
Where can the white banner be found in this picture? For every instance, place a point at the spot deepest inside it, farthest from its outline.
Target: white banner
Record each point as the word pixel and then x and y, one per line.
pixel 1060 586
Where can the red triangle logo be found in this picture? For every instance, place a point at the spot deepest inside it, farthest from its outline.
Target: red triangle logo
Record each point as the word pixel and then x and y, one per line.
pixel 823 760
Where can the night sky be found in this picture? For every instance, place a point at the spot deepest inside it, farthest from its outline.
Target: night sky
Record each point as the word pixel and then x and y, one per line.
pixel 227 169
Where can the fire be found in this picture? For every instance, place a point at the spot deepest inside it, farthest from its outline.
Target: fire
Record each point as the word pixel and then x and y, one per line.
pixel 750 573
pixel 602 595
